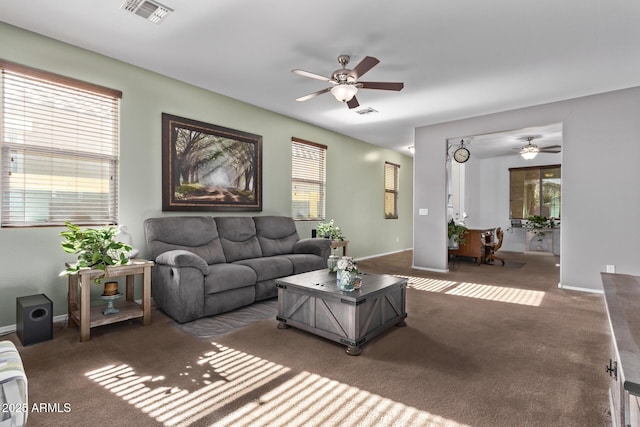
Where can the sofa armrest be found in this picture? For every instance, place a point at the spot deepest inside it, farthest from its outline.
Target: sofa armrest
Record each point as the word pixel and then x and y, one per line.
pixel 316 246
pixel 181 258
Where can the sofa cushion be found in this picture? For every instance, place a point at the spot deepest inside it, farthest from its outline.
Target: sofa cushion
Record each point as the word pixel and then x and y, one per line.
pixel 195 234
pixel 305 262
pixel 266 289
pixel 277 234
pixel 238 238
pixel 269 267
pixel 224 277
pixel 223 302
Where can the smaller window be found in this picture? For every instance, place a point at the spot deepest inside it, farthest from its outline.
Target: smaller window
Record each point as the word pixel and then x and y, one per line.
pixel 307 180
pixel 391 172
pixel 535 191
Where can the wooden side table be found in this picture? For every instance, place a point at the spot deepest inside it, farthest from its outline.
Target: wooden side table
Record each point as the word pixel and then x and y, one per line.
pixel 79 302
pixel 340 244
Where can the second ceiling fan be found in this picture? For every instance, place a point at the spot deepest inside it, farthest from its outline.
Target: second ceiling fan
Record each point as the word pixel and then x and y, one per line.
pixel 529 151
pixel 345 82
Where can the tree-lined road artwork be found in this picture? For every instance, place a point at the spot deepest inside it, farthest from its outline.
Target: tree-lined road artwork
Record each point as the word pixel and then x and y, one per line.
pixel 213 169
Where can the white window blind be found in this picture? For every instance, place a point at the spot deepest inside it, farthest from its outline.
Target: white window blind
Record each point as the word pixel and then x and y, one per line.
pixel 535 190
pixel 308 181
pixel 391 172
pixel 59 140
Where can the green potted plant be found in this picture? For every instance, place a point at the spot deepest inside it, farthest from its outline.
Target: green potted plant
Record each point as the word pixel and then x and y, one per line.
pixel 329 230
pixel 538 224
pixel 96 248
pixel 456 233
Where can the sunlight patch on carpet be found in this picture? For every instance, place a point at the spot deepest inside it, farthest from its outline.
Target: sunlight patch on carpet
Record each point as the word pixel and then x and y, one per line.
pixel 312 400
pixel 431 285
pixel 220 377
pixel 498 293
pixel 215 380
pixel 477 290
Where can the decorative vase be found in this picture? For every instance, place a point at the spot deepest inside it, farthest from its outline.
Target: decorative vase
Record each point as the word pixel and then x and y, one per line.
pixel 332 262
pixel 346 280
pixel 110 294
pixel 110 288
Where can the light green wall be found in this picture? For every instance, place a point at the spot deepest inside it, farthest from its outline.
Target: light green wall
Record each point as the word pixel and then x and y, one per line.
pixel 32 258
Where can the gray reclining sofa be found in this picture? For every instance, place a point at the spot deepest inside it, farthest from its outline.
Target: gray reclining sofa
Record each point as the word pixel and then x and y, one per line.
pixel 206 265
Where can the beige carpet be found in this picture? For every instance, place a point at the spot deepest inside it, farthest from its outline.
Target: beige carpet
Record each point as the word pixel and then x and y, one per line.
pixel 483 346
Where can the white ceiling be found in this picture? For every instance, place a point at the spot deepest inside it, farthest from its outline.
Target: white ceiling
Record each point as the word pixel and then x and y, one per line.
pixel 457 59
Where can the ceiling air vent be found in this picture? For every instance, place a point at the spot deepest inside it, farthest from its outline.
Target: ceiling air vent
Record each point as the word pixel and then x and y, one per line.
pixel 149 10
pixel 367 110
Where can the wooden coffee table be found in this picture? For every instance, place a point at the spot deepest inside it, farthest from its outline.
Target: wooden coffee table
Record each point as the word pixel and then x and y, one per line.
pixel 312 302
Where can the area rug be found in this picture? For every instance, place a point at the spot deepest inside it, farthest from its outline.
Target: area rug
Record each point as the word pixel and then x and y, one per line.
pixel 227 322
pixel 512 264
pixel 472 262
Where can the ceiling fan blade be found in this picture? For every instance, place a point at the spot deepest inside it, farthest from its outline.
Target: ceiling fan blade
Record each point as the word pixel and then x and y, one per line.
pixel 543 150
pixel 313 95
pixel 381 85
pixel 551 146
pixel 311 75
pixel 363 66
pixel 353 103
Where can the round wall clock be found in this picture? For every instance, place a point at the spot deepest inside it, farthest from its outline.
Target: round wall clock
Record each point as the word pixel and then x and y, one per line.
pixel 461 155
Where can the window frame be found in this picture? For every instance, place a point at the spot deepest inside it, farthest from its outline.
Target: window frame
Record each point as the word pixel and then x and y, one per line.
pixel 303 182
pixel 55 93
pixel 540 170
pixel 393 190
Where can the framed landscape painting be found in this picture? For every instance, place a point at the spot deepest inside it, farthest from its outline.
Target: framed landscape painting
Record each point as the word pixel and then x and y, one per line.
pixel 209 168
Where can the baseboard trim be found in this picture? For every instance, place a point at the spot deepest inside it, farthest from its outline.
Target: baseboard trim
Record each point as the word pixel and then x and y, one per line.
pixel 435 270
pixel 386 253
pixel 577 288
pixel 4 330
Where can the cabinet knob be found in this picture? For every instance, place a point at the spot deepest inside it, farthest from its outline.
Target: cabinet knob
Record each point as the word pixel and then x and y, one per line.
pixel 612 369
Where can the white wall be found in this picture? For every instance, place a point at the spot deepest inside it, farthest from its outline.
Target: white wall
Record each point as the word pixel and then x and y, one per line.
pixel 600 175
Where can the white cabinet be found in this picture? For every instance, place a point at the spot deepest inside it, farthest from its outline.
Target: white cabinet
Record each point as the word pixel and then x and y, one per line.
pixel 622 298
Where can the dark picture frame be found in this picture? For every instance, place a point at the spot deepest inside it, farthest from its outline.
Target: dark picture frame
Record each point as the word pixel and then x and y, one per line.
pixel 206 167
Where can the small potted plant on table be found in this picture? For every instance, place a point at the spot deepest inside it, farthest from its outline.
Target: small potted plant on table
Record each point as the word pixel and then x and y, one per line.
pixel 97 249
pixel 456 233
pixel 329 230
pixel 539 225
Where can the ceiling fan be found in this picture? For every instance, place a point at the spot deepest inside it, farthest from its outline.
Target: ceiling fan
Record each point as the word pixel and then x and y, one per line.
pixel 529 151
pixel 345 82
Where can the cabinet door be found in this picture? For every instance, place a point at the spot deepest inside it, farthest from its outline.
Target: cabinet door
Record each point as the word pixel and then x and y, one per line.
pixel 616 390
pixel 634 410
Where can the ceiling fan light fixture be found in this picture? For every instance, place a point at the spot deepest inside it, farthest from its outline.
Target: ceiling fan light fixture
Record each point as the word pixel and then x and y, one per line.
pixel 344 92
pixel 529 152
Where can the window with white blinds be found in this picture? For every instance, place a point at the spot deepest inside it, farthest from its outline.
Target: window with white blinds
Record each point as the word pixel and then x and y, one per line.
pixel 59 139
pixel 308 181
pixel 535 190
pixel 391 172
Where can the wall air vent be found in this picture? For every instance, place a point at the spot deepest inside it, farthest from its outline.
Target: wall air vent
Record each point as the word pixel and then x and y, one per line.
pixel 364 111
pixel 149 10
